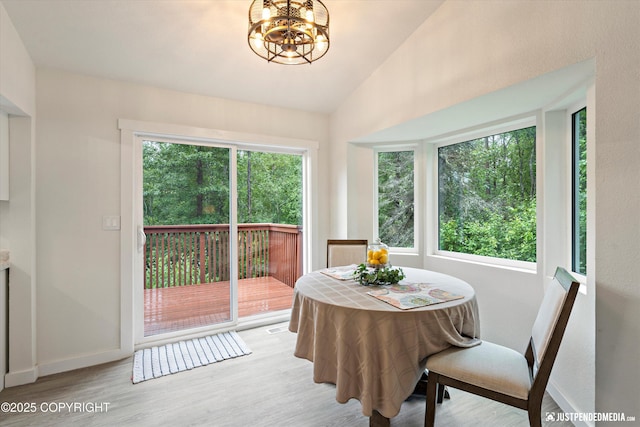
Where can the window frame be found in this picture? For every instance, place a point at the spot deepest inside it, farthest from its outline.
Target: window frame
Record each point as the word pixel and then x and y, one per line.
pixel 464 135
pixel 414 147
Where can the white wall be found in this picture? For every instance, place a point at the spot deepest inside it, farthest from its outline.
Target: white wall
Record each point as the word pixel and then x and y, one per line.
pixel 78 157
pixel 468 50
pixel 17 72
pixel 17 216
pixel 4 158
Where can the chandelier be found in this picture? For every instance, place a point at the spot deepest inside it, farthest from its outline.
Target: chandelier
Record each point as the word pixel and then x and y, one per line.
pixel 289 31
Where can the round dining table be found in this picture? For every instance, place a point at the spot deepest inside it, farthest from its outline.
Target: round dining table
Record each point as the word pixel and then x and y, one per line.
pixel 370 349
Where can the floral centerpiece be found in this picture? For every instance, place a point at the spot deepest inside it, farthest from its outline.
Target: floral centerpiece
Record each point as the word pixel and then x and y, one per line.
pixel 368 276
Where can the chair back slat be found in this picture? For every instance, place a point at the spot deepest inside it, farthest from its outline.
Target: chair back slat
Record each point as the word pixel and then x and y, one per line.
pixel 549 326
pixel 346 252
pixel 547 317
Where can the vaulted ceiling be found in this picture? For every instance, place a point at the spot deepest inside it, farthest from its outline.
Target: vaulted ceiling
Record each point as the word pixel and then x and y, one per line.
pixel 200 46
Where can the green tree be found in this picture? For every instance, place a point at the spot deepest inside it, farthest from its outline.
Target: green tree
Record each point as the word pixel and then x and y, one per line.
pixel 269 188
pixel 580 192
pixel 189 184
pixel 395 198
pixel 185 184
pixel 487 196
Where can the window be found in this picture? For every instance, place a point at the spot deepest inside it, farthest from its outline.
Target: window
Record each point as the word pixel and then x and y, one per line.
pixel 579 191
pixel 269 187
pixel 395 187
pixel 487 196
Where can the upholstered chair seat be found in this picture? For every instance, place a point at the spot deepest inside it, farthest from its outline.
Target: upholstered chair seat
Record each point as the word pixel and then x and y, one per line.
pixel 486 365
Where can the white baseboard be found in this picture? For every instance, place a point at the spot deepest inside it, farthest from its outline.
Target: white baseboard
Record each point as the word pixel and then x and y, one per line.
pixel 26 376
pixel 55 367
pixel 565 405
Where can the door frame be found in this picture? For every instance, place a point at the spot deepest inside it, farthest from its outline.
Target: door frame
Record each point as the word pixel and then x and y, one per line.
pixel 132 133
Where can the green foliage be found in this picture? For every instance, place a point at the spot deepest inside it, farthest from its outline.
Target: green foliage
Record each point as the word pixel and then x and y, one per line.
pixel 395 198
pixel 269 188
pixel 378 276
pixel 580 193
pixel 512 237
pixel 185 184
pixel 189 184
pixel 487 196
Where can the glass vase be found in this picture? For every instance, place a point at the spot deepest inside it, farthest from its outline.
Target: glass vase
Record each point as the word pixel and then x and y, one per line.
pixel 378 255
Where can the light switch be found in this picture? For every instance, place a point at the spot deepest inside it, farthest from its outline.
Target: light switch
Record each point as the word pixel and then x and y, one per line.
pixel 111 222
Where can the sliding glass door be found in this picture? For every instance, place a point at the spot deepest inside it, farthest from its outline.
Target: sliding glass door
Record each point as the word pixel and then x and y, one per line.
pixel 187 207
pixel 220 235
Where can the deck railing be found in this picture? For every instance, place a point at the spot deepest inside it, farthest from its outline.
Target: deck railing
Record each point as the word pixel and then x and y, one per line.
pixel 181 255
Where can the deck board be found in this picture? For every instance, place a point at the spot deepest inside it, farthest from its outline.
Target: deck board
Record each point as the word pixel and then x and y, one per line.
pixel 182 307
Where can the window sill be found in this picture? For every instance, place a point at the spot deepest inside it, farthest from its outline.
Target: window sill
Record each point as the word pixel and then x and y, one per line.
pixel 506 264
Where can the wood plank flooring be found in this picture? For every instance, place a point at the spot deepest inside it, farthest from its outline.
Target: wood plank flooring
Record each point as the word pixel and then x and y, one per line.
pixel 184 307
pixel 267 388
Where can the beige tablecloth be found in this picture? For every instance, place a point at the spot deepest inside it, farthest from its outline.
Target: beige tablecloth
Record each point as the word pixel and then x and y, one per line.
pixel 370 350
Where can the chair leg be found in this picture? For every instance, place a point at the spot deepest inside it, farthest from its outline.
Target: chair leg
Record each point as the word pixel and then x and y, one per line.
pixel 442 393
pixel 431 398
pixel 421 388
pixel 535 416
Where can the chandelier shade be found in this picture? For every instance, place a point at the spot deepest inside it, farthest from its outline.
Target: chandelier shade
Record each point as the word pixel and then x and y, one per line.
pixel 289 32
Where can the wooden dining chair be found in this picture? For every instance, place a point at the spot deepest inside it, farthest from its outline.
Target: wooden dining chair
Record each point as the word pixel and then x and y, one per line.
pixel 346 252
pixel 502 374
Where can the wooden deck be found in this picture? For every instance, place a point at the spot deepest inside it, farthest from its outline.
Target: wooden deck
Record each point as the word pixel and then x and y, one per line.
pixel 182 307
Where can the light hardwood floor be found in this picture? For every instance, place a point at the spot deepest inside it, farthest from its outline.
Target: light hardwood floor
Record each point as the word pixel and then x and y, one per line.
pixel 270 387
